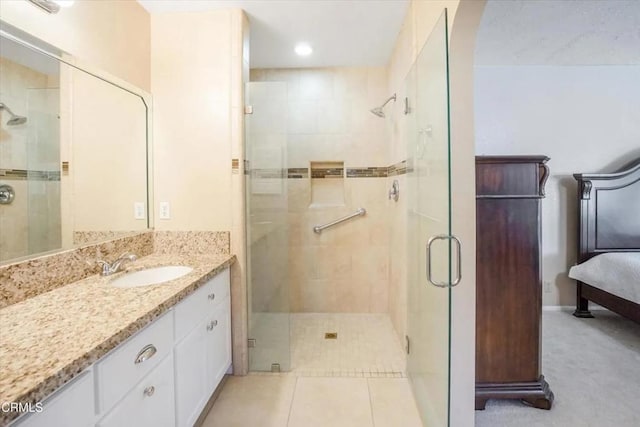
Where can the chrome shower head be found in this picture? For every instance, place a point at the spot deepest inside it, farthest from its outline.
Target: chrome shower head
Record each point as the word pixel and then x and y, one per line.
pixel 378 110
pixel 15 119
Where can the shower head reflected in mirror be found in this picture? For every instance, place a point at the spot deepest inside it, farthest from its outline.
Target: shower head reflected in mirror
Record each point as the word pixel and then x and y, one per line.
pixel 15 119
pixel 378 110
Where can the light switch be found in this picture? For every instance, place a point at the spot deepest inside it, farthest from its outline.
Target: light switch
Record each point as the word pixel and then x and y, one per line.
pixel 165 210
pixel 138 210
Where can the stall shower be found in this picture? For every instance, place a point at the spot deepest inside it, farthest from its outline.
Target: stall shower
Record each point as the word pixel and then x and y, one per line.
pixel 318 223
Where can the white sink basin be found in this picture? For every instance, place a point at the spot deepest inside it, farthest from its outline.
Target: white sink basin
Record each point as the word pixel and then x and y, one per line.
pixel 151 276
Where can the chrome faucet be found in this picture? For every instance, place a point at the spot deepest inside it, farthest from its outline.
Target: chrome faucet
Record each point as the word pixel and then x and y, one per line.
pixel 109 269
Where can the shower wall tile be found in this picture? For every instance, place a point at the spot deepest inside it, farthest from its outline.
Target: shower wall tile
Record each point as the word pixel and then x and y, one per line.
pixel 16 84
pixel 349 262
pixel 14 222
pixel 344 269
pixel 302 117
pixel 328 114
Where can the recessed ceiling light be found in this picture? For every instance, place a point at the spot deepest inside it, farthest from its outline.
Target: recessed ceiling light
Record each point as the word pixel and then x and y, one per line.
pixel 303 49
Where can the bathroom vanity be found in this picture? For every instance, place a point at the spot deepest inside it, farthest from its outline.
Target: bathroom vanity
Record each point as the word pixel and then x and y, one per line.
pixel 142 356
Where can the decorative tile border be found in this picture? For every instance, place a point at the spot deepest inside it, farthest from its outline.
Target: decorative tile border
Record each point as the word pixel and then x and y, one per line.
pixel 235 166
pixel 31 175
pixel 295 173
pixel 399 168
pixel 396 169
pixel 336 172
pixel 268 173
pixel 368 172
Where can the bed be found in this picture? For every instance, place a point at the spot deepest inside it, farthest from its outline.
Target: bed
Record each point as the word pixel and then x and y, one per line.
pixel 608 270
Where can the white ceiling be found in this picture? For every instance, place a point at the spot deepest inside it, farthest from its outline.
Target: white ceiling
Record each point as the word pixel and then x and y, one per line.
pixel 341 32
pixel 552 32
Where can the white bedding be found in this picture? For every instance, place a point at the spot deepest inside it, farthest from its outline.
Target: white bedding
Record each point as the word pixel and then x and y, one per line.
pixel 617 273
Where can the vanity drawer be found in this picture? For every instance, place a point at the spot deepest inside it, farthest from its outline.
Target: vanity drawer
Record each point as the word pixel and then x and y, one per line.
pixel 121 369
pixel 149 404
pixel 197 305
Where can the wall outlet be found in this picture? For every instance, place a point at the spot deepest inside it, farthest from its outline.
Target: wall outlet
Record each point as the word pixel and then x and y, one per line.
pixel 547 287
pixel 165 210
pixel 138 210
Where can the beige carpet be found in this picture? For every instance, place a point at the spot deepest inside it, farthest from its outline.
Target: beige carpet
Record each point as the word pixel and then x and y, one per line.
pixel 593 368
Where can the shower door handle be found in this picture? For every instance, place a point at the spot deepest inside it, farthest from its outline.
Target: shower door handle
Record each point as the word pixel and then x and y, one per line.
pixel 458 277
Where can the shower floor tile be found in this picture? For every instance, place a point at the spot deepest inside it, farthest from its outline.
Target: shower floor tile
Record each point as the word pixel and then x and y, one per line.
pixel 366 346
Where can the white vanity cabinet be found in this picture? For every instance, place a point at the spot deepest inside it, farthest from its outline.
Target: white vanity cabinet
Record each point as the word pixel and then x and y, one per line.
pixel 162 376
pixel 203 350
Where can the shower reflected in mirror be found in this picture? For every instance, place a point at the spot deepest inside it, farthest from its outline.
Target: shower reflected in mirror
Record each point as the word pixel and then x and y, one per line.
pixel 15 119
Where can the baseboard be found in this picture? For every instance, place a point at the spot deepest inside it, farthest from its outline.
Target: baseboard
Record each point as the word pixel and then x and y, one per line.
pixel 570 308
pixel 558 308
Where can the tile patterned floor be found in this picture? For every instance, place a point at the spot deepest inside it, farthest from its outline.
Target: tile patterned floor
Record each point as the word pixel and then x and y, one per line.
pixel 367 345
pixel 291 401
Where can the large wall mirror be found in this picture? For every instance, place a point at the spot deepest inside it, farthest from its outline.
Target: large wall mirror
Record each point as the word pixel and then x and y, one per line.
pixel 73 151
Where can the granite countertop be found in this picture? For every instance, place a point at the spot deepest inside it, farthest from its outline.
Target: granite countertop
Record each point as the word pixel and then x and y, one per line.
pixel 47 340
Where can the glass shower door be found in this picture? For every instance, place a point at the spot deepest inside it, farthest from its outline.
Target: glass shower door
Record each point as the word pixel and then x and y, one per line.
pixel 429 219
pixel 267 226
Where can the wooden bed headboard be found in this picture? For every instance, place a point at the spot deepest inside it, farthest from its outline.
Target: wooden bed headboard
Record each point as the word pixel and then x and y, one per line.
pixel 609 212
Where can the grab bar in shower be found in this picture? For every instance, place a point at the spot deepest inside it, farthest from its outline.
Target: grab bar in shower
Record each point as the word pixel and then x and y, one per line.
pixel 318 228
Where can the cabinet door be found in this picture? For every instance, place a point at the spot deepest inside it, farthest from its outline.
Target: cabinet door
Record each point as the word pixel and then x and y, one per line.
pixel 218 344
pixel 192 383
pixel 71 405
pixel 149 404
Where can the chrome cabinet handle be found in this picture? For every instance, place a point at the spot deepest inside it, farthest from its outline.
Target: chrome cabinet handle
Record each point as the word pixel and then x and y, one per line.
pixel 212 325
pixel 459 259
pixel 212 296
pixel 146 353
pixel 149 391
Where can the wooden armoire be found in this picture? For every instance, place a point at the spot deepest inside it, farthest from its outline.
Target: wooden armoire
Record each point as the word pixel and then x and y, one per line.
pixel 509 193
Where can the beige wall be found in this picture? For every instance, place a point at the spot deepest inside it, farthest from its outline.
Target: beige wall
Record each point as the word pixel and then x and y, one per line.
pixel 191 80
pixel 327 118
pixel 107 153
pixel 198 64
pixel 113 35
